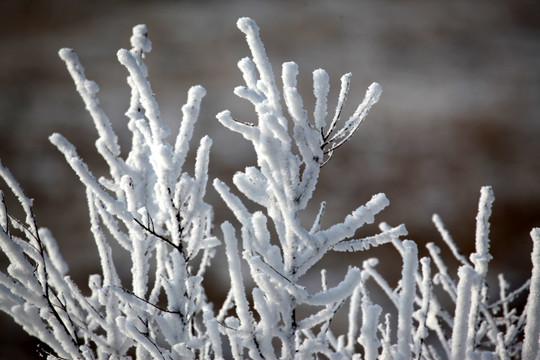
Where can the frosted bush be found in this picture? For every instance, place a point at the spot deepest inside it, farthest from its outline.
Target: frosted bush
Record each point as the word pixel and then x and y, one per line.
pixel 154 208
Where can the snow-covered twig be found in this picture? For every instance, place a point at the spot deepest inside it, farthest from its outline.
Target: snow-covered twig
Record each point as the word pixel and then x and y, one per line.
pixel 156 211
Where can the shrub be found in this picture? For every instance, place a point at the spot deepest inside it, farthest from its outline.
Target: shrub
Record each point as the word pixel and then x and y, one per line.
pixel 155 210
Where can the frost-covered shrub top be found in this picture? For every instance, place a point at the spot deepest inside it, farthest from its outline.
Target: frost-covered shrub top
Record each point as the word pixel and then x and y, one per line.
pixel 154 208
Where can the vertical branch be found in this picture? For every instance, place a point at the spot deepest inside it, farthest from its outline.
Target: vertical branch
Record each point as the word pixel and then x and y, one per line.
pixel 321 87
pixel 353 317
pixel 460 332
pixel 531 346
pixel 246 321
pixel 370 320
pixel 250 28
pixel 406 298
pixel 481 258
pixel 237 283
pixel 190 113
pixel 426 292
pixel 159 131
pixel 107 265
pixel 88 89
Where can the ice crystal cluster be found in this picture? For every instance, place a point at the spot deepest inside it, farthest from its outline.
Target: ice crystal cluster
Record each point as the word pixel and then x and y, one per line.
pixel 155 209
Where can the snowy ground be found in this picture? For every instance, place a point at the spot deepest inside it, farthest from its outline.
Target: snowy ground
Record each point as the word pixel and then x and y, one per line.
pixel 460 107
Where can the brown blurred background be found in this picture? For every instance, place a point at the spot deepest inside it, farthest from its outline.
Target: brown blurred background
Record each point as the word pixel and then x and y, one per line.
pixel 460 109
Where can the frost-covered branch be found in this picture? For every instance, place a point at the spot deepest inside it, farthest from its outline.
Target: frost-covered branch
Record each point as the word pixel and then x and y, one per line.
pixel 290 150
pixel 479 326
pixel 154 208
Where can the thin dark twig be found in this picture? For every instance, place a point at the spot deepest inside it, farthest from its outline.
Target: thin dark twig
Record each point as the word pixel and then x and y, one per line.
pixel 46 287
pixel 64 308
pixel 150 222
pixel 244 123
pixel 327 160
pixel 339 109
pixel 21 224
pixel 148 302
pixel 275 270
pixel 153 343
pixel 177 247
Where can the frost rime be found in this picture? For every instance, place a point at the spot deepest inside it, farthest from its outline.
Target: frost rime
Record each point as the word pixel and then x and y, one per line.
pixel 154 208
